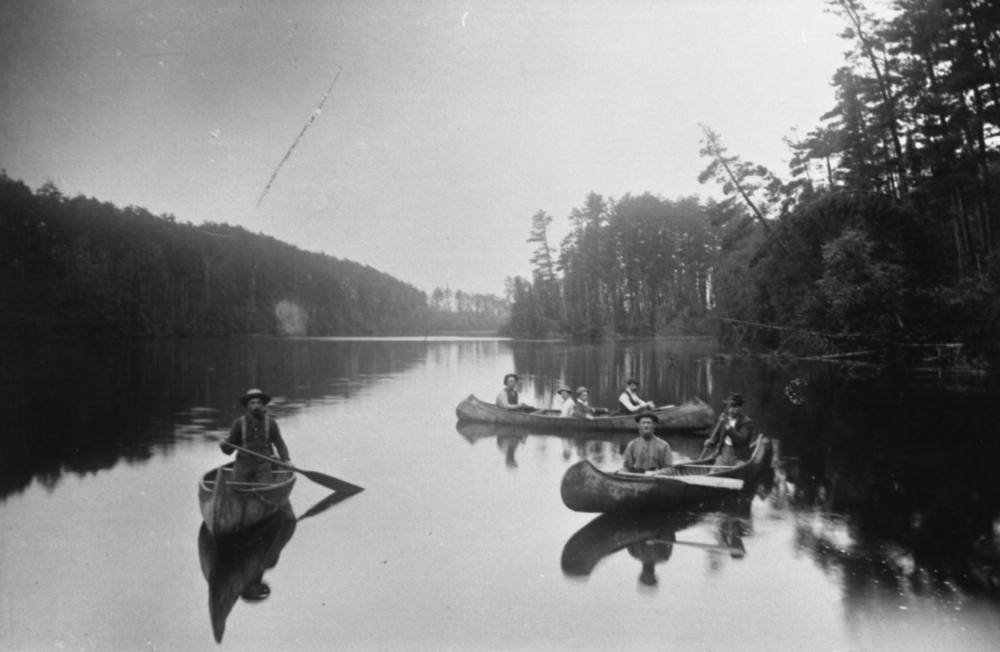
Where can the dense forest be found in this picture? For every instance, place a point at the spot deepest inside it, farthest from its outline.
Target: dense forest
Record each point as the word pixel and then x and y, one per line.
pixel 80 267
pixel 885 230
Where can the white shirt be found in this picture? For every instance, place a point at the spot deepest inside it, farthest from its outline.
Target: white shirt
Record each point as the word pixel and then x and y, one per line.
pixel 630 400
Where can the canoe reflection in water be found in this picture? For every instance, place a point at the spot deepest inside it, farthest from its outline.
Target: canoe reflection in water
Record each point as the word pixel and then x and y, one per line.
pixel 650 538
pixel 234 565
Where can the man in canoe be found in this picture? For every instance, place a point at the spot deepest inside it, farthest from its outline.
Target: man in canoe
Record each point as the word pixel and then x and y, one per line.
pixel 508 398
pixel 647 452
pixel 734 435
pixel 629 401
pixel 257 432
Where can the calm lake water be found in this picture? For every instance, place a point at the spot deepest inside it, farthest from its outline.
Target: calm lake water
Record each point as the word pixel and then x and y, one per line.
pixel 879 530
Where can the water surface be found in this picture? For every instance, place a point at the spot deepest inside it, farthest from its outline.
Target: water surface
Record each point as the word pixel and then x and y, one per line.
pixel 879 530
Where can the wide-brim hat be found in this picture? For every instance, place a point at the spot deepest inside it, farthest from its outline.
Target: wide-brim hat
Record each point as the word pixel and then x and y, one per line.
pixel 254 393
pixel 631 381
pixel 581 389
pixel 647 415
pixel 734 398
pixel 514 376
pixel 563 388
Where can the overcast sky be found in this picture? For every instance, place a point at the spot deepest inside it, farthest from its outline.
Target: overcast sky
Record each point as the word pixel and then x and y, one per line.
pixel 450 125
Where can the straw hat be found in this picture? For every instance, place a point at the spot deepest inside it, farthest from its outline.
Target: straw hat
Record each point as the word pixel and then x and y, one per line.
pixel 254 393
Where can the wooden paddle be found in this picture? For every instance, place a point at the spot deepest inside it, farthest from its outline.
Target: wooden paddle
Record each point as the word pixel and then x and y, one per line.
pixel 736 553
pixel 331 500
pixel 715 431
pixel 319 478
pixel 698 480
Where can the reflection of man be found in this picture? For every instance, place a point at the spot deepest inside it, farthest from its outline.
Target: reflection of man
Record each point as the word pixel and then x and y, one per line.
pixel 508 444
pixel 257 432
pixel 647 452
pixel 652 552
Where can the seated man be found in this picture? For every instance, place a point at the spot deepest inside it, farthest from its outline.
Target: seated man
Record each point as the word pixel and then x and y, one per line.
pixel 629 401
pixel 508 398
pixel 735 435
pixel 647 452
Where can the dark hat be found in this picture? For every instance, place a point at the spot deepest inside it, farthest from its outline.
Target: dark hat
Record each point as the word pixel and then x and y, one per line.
pixel 734 398
pixel 631 381
pixel 563 388
pixel 514 376
pixel 254 393
pixel 581 389
pixel 644 415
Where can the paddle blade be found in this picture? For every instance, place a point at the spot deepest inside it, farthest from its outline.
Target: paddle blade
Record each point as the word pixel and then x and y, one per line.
pixel 331 500
pixel 331 483
pixel 709 481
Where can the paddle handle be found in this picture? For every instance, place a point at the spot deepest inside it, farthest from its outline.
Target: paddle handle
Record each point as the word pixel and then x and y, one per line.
pixel 272 460
pixel 715 431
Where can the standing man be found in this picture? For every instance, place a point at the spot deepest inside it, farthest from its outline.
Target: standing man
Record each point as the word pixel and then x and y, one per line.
pixel 508 398
pixel 647 452
pixel 629 401
pixel 735 434
pixel 257 432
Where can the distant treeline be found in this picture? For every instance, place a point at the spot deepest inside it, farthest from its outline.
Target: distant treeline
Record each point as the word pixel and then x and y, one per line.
pixel 80 267
pixel 886 232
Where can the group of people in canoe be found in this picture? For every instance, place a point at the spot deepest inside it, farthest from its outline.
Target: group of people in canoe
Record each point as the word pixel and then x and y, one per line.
pixel 731 438
pixel 569 403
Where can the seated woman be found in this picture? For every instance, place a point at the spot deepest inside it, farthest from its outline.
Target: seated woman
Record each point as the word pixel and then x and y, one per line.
pixel 508 398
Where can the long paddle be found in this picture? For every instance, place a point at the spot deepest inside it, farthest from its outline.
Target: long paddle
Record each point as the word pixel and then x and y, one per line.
pixel 337 496
pixel 715 431
pixel 319 478
pixel 736 553
pixel 699 480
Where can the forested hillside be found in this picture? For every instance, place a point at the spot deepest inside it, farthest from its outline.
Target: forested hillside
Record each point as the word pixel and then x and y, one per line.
pixel 884 232
pixel 80 267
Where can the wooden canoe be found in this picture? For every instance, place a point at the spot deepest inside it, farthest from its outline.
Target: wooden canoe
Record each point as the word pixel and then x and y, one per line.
pixel 230 507
pixel 693 414
pixel 585 488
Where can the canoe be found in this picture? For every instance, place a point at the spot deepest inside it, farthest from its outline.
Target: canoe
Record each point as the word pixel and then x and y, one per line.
pixel 234 566
pixel 694 414
pixel 229 507
pixel 585 488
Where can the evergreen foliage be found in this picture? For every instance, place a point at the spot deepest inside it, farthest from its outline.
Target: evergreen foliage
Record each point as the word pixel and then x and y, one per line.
pixel 887 230
pixel 79 267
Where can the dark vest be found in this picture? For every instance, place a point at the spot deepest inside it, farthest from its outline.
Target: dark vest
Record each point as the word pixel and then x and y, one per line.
pixel 257 439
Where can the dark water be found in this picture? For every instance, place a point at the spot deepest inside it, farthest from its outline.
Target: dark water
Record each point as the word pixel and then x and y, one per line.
pixel 879 530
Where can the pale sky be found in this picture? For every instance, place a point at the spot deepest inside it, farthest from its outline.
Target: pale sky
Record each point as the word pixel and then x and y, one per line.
pixel 452 121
